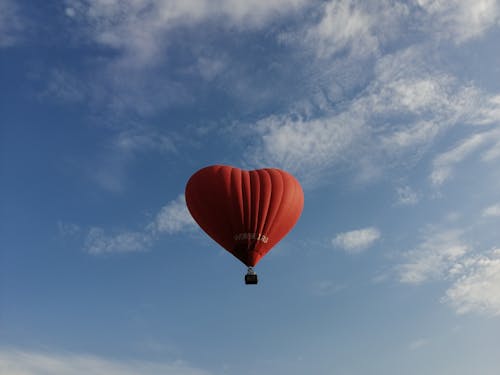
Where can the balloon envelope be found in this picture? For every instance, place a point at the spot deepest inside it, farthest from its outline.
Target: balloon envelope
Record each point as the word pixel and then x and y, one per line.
pixel 246 212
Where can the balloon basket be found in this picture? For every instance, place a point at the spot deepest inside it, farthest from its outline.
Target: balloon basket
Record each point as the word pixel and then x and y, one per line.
pixel 251 277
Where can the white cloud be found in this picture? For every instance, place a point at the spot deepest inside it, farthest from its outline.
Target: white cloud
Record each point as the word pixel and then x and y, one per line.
pixel 406 196
pixel 110 174
pixel 172 218
pixel 23 362
pixel 68 229
pixel 10 23
pixel 70 12
pixel 460 20
pixel 210 67
pixel 143 139
pixel 98 242
pixel 354 137
pixel 474 276
pixel 492 211
pixel 444 163
pixel 477 289
pixel 433 258
pixel 349 26
pixel 362 28
pixel 326 288
pixel 407 105
pixel 418 343
pixel 491 154
pixel 420 133
pixel 343 25
pixel 109 171
pixel 407 83
pixel 140 76
pixel 256 13
pixel 488 112
pixel 357 240
pixel 147 23
pixel 64 86
pixel 301 146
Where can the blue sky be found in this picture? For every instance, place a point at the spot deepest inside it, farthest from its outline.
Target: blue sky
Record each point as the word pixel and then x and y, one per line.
pixel 387 113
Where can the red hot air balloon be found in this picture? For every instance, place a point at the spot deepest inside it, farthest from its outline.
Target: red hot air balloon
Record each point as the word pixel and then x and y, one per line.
pixel 246 212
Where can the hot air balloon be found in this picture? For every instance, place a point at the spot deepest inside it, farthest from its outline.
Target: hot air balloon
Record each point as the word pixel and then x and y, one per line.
pixel 245 212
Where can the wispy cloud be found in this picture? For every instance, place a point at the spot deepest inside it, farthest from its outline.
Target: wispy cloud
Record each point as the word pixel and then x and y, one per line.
pixel 349 27
pixel 326 288
pixel 68 229
pixel 488 112
pixel 433 258
pixel 343 26
pixel 473 275
pixel 142 139
pixel 491 154
pixel 420 133
pixel 418 343
pixel 339 42
pixel 406 196
pixel 11 25
pixel 444 163
pixel 171 219
pixel 362 27
pixel 98 242
pixel 407 105
pixel 147 23
pixel 477 288
pixel 24 362
pixel 140 74
pixel 357 240
pixel 492 211
pixel 460 20
pixel 305 145
pixel 110 169
pixel 65 86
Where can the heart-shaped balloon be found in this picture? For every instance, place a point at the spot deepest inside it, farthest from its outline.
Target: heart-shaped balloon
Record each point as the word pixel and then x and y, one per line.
pixel 246 212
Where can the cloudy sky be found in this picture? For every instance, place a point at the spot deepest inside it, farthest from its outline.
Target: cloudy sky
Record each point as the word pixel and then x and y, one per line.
pixel 387 112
